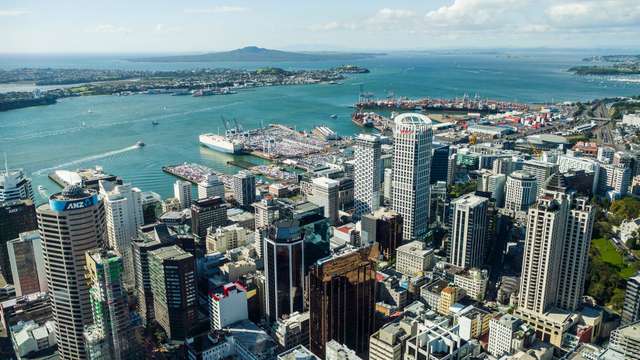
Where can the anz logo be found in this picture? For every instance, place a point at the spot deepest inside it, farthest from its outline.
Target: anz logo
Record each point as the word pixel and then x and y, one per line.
pixel 79 204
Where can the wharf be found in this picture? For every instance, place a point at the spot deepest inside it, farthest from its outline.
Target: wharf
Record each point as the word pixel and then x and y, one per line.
pixel 243 164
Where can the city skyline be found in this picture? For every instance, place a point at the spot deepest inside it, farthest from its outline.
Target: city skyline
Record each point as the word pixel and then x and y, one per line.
pixel 207 26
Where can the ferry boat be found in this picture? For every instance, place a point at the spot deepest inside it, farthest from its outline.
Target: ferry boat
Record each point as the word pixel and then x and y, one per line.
pixel 220 143
pixel 140 144
pixel 154 123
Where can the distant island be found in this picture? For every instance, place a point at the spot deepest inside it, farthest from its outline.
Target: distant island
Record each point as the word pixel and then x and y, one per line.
pixel 257 54
pixel 199 82
pixel 609 65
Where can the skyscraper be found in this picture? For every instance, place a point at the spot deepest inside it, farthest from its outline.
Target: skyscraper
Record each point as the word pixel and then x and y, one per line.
pixel 383 226
pixel 342 291
pixel 284 268
pixel 173 283
pixel 70 224
pixel 123 210
pixel 541 170
pixel 14 186
pixel 16 216
pixel 546 224
pixel 182 192
pixel 27 265
pixel 266 212
pixel 210 187
pixel 521 190
pixel 366 181
pixel 411 173
pixel 469 226
pixel 575 253
pixel 109 337
pixel 149 238
pixel 439 163
pixel 244 188
pixel 207 213
pixel 325 194
pixel 631 307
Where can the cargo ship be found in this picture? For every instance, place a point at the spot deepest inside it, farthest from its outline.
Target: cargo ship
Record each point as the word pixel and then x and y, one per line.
pixel 221 143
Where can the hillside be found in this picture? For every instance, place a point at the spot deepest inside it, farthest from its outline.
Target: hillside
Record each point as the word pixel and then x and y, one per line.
pixel 254 53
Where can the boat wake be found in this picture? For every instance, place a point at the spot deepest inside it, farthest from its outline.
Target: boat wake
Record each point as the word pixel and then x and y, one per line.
pixel 86 159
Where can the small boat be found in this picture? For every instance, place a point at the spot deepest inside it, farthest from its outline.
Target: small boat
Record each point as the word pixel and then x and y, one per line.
pixel 89 111
pixel 155 123
pixel 333 116
pixel 140 144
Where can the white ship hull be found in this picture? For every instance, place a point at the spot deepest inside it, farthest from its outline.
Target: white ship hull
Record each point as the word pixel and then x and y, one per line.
pixel 220 143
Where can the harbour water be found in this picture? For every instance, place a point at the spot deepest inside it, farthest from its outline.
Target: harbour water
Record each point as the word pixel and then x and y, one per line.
pixel 100 130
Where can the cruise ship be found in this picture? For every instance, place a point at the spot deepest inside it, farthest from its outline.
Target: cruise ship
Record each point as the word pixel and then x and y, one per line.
pixel 221 143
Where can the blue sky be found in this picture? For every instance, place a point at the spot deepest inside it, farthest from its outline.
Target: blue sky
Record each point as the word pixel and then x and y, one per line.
pixel 140 26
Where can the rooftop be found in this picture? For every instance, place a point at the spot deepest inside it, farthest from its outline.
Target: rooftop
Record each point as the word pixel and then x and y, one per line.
pixel 412 119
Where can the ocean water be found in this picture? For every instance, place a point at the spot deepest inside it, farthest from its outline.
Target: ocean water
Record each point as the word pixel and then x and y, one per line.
pixel 100 130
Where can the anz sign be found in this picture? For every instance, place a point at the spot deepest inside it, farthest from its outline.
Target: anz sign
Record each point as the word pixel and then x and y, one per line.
pixel 66 205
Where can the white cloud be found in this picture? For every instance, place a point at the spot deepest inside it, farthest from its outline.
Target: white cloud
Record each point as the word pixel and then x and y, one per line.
pixel 601 13
pixel 217 10
pixel 109 29
pixel 13 12
pixel 332 26
pixel 468 14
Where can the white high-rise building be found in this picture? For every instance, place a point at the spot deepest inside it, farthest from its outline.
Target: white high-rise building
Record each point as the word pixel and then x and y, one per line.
pixel 496 186
pixel 502 331
pixel 244 188
pixel 411 172
pixel 575 254
pixel 14 186
pixel 541 170
pixel 210 187
pixel 469 225
pixel 182 192
pixel 388 185
pixel 70 224
pixel 123 209
pixel 228 307
pixel 521 190
pixel 546 224
pixel 366 177
pixel 325 194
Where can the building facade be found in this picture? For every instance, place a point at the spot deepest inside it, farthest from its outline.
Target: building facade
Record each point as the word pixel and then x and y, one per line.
pixel 411 173
pixel 469 227
pixel 27 264
pixel 367 174
pixel 70 224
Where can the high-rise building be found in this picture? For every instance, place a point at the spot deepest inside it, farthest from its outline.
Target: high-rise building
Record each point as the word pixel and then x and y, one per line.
pixel 614 180
pixel 496 184
pixel 541 170
pixel 266 212
pixel 521 191
pixel 16 216
pixel 366 181
pixel 244 188
pixel 228 307
pixel 149 238
pixel 211 186
pixel 151 207
pixel 70 224
pixel 388 185
pixel 469 227
pixel 439 163
pixel 625 342
pixel 325 194
pixel 575 253
pixel 14 186
pixel 502 331
pixel 631 307
pixel 284 268
pixel 27 265
pixel 207 213
pixel 123 210
pixel 384 226
pixel 110 335
pixel 342 291
pixel 173 283
pixel 182 192
pixel 546 224
pixel 411 169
